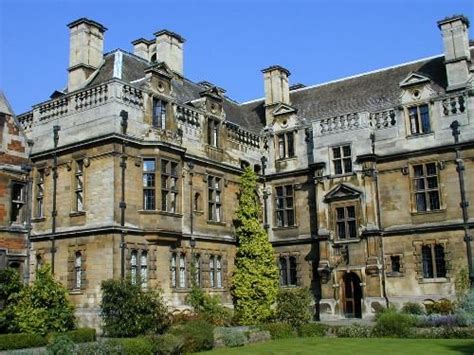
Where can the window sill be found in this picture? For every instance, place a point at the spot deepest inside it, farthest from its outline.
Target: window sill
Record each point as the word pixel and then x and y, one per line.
pixel 199 213
pixel 217 149
pixel 395 274
pixel 170 214
pixel 434 280
pixel 289 286
pixel 348 241
pixel 343 175
pixel 38 219
pixel 417 213
pixel 419 135
pixel 76 292
pixel 77 213
pixel 285 227
pixel 223 224
pixel 286 159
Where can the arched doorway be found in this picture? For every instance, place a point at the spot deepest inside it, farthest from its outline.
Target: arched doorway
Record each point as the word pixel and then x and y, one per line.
pixel 352 296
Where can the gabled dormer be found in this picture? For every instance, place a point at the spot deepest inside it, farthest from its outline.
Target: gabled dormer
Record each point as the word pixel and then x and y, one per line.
pixel 159 78
pixel 283 109
pixel 213 97
pixel 414 78
pixel 342 192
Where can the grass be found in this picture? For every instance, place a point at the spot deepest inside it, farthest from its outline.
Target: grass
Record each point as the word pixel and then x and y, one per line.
pixel 342 346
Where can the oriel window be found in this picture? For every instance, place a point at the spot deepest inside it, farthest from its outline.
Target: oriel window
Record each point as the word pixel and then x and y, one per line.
pixel 149 171
pixel 426 187
pixel 159 113
pixel 342 159
pixel 169 186
pixel 284 206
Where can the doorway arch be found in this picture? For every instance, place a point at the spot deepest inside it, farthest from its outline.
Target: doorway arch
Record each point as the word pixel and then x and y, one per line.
pixel 352 296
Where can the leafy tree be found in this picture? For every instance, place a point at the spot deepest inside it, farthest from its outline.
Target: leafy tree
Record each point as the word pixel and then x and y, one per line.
pixel 128 311
pixel 255 279
pixel 10 287
pixel 43 307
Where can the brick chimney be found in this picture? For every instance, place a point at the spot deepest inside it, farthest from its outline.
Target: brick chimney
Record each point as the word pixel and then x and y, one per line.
pixel 86 50
pixel 277 89
pixel 169 49
pixel 457 55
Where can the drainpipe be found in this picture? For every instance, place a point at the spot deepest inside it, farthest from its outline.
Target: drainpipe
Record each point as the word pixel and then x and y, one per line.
pixel 379 218
pixel 123 205
pixel 265 195
pixel 464 202
pixel 54 213
pixel 27 168
pixel 192 242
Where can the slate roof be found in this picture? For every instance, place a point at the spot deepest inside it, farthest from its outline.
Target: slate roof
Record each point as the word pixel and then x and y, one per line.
pixel 372 91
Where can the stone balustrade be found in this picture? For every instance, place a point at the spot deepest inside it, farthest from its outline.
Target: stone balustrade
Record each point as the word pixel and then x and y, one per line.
pixel 188 115
pixel 26 120
pixel 91 97
pixel 340 123
pixel 382 119
pixel 454 105
pixel 241 136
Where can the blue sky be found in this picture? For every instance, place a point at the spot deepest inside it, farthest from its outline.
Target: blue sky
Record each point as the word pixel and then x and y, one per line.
pixel 227 42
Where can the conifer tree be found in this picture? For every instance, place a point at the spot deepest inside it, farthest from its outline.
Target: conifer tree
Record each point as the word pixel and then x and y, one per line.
pixel 255 279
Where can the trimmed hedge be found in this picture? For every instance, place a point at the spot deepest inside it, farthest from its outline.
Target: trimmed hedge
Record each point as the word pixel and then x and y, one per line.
pixel 21 340
pixel 312 330
pixel 133 346
pixel 198 335
pixel 279 330
pixel 81 335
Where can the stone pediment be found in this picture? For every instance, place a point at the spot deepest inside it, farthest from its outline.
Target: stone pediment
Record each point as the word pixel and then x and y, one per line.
pixel 342 192
pixel 162 69
pixel 283 109
pixel 414 78
pixel 213 92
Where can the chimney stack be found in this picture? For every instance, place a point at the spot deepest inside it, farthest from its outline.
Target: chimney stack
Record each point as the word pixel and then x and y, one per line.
pixel 457 55
pixel 277 89
pixel 86 49
pixel 169 49
pixel 141 48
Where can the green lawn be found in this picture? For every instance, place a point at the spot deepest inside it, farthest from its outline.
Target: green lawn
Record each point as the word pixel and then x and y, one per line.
pixel 341 346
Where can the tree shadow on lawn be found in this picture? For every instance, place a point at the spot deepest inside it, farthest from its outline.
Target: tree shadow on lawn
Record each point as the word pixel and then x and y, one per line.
pixel 466 348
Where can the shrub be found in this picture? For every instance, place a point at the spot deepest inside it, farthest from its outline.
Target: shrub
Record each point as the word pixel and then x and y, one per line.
pixel 437 320
pixel 255 279
pixel 293 306
pixel 279 330
pixel 233 337
pixel 465 310
pixel 209 307
pixel 21 340
pixel 354 331
pixel 10 287
pixel 134 346
pixel 198 335
pixel 101 347
pixel 61 345
pixel 393 324
pixel 312 330
pixel 413 308
pixel 445 333
pixel 44 307
pixel 129 311
pixel 81 335
pixel 179 317
pixel 440 307
pixel 168 344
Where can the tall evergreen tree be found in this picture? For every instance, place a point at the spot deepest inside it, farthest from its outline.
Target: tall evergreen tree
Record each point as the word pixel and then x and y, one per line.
pixel 255 279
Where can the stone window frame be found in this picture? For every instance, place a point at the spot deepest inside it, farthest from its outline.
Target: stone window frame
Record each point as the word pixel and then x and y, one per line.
pixel 388 265
pixel 153 188
pixel 79 182
pixel 21 203
pixel 216 273
pixel 140 249
pixel 215 213
pixel 413 191
pixel 73 250
pixel 197 267
pixel 160 122
pixel 356 203
pixel 39 186
pixel 284 145
pixel 418 244
pixel 176 267
pixel 419 122
pixel 342 159
pixel 213 130
pixel 169 176
pixel 298 270
pixel 284 208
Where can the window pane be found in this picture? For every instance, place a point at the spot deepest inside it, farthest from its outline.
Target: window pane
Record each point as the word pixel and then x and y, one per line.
pixel 182 271
pixel 352 229
pixel 279 203
pixel 431 169
pixel 281 146
pixel 212 271
pixel 346 150
pixel 425 118
pixel 289 202
pixel 340 213
pixel 418 170
pixel 283 278
pixel 347 165
pixel 293 271
pixel 434 200
pixel 164 200
pixel 291 218
pixel 395 261
pixel 351 212
pixel 440 262
pixel 419 184
pixel 280 218
pixel 279 191
pixel 337 167
pixel 289 190
pixel 290 142
pixel 427 262
pixel 414 124
pixel 336 152
pixel 341 230
pixel 149 199
pixel 148 164
pixel 420 199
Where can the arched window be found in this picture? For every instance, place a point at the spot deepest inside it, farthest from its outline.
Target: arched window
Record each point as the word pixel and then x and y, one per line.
pixel 173 270
pixel 133 266
pixel 219 272
pixel 212 271
pixel 144 269
pixel 182 271
pixel 78 270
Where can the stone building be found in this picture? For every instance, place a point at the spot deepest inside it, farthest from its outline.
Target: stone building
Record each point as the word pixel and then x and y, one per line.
pixel 365 181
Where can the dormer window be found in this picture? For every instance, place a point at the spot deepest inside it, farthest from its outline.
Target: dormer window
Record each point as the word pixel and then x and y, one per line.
pixel 419 119
pixel 286 145
pixel 159 114
pixel 213 132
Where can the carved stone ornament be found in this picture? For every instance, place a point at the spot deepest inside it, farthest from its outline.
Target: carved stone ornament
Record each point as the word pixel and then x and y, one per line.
pixel 47 171
pixel 405 170
pixel 441 165
pixel 138 161
pixel 87 162
pixel 68 165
